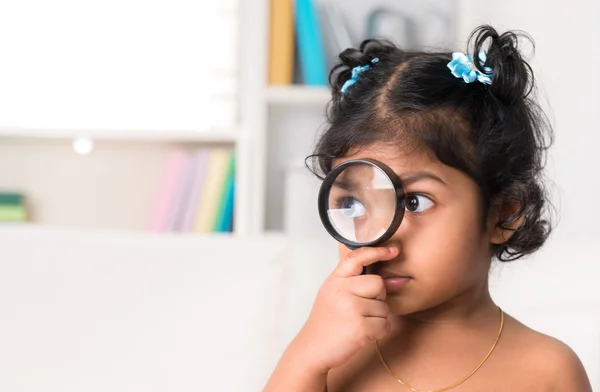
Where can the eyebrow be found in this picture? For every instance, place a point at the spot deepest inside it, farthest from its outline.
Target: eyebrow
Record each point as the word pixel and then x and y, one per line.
pixel 419 176
pixel 345 185
pixel 406 180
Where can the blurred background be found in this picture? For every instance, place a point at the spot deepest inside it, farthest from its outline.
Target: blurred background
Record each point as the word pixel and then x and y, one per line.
pixel 158 228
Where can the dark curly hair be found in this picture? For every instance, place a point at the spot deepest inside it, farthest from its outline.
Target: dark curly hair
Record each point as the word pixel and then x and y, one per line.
pixel 496 134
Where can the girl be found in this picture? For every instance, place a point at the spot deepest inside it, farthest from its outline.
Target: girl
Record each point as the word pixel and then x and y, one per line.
pixel 467 139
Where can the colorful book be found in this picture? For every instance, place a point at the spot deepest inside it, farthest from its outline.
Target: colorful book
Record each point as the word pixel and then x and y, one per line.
pixel 211 191
pixel 281 42
pixel 189 204
pixel 311 54
pixel 179 192
pixel 225 211
pixel 227 222
pixel 12 207
pixel 167 190
pixel 12 213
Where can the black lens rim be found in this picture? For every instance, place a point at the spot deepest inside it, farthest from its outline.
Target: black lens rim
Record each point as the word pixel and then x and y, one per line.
pixel 323 202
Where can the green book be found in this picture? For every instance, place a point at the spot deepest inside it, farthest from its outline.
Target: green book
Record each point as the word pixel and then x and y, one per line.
pixel 13 199
pixel 12 213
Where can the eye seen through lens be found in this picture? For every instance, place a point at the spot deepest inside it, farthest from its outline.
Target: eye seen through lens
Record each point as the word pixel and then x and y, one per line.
pixel 361 203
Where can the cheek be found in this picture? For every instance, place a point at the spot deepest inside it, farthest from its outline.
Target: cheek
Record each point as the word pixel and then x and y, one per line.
pixel 448 248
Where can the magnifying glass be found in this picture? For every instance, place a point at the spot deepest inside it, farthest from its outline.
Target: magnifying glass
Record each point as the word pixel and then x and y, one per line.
pixel 361 203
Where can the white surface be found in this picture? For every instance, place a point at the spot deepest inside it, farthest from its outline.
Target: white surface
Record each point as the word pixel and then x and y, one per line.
pixel 98 311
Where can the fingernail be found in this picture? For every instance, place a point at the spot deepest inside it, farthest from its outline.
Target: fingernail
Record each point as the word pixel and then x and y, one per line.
pixel 392 249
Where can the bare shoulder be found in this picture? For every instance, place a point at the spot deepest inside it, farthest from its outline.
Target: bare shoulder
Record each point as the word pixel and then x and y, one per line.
pixel 549 359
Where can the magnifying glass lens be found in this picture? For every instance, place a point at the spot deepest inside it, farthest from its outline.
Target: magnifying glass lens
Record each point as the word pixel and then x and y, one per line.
pixel 361 203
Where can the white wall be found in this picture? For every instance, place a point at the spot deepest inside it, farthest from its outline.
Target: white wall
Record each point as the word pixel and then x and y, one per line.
pixel 565 33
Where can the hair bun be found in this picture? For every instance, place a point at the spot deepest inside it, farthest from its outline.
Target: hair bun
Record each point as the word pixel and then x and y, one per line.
pixel 512 79
pixel 352 57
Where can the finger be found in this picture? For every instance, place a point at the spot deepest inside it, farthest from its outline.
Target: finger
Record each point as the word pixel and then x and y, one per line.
pixel 377 328
pixel 367 286
pixel 373 308
pixel 353 263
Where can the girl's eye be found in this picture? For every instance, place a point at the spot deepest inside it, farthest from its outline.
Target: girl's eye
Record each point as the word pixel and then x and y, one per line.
pixel 417 203
pixel 352 207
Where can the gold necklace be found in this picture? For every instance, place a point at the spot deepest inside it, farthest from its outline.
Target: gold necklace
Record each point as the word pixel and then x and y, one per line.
pixel 456 383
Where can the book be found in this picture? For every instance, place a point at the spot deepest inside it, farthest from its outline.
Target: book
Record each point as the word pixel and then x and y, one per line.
pixel 167 189
pixel 211 190
pixel 311 54
pixel 12 207
pixel 180 193
pixel 13 199
pixel 225 214
pixel 10 213
pixel 281 42
pixel 189 204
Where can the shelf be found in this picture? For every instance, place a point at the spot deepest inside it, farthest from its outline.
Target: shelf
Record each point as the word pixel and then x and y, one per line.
pixel 211 136
pixel 307 95
pixel 32 228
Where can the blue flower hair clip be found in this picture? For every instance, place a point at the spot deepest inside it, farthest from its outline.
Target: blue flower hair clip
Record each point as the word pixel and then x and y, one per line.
pixel 356 71
pixel 463 66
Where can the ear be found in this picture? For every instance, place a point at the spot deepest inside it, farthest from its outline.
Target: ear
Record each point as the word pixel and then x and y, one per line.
pixel 502 212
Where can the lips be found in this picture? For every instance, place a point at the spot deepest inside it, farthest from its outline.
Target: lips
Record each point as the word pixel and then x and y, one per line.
pixel 393 281
pixel 389 274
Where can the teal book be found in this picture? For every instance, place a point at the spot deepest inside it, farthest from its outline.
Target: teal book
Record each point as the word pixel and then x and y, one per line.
pixel 13 199
pixel 311 53
pixel 225 216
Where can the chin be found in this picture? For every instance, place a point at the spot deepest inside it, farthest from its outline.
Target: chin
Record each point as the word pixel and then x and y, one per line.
pixel 404 306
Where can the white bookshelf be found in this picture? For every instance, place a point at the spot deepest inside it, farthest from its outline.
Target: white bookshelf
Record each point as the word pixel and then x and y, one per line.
pixel 112 188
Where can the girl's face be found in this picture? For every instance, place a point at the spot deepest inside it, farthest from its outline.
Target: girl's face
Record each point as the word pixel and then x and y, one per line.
pixel 444 247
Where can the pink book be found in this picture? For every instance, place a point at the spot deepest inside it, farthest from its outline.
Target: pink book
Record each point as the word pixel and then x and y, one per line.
pixel 182 189
pixel 167 190
pixel 188 213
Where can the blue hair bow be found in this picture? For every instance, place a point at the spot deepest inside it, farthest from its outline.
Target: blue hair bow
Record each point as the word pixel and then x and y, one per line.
pixel 462 66
pixel 356 71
